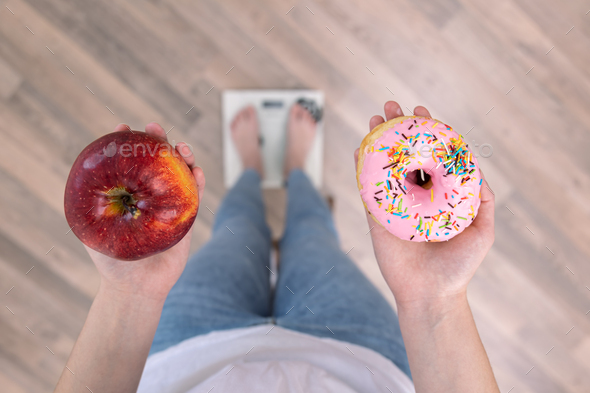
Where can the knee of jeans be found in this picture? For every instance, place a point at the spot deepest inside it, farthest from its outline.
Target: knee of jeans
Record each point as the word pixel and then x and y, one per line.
pixel 242 224
pixel 312 228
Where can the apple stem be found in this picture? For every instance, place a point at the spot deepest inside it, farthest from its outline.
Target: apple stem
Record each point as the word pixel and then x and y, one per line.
pixel 130 208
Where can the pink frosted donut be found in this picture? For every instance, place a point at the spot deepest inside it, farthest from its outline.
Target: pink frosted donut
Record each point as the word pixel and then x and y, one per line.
pixel 418 179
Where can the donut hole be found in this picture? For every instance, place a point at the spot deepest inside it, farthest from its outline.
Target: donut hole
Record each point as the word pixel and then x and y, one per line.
pixel 415 178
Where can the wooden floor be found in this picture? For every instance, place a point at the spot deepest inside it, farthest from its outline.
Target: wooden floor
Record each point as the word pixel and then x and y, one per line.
pixel 512 74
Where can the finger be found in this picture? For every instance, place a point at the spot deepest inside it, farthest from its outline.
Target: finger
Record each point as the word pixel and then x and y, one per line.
pixel 122 127
pixel 421 111
pixel 186 152
pixel 392 110
pixel 486 192
pixel 485 183
pixel 484 221
pixel 375 121
pixel 200 178
pixel 377 231
pixel 155 129
pixel 384 243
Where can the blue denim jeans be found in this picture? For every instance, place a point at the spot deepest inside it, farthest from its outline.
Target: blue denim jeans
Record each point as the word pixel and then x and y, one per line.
pixel 225 285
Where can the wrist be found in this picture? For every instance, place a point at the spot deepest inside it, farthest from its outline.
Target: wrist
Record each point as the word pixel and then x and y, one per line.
pixel 124 299
pixel 432 309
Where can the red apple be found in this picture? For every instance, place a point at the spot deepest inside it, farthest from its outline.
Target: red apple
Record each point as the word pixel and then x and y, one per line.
pixel 130 195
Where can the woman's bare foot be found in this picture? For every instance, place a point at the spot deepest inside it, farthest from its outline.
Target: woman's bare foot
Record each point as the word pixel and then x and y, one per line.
pixel 300 135
pixel 245 134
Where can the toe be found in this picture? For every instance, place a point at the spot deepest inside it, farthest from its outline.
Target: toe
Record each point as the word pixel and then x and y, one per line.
pixel 297 111
pixel 238 118
pixel 307 117
pixel 252 113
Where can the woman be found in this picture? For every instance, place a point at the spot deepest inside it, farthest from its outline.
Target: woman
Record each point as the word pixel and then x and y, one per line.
pixel 215 324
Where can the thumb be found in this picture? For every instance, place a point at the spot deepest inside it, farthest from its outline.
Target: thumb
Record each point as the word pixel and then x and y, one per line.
pixel 374 227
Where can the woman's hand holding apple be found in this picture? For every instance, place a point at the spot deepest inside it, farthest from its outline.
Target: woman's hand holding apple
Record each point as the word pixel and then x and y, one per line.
pixel 154 276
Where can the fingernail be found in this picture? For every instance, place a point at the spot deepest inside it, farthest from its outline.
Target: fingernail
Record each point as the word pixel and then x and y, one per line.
pixel 398 111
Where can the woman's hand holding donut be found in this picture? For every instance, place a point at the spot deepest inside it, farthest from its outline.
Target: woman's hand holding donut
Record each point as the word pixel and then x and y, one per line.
pixel 421 274
pixel 429 281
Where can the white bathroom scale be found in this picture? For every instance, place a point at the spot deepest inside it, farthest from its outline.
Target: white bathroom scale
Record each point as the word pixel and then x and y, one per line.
pixel 272 107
